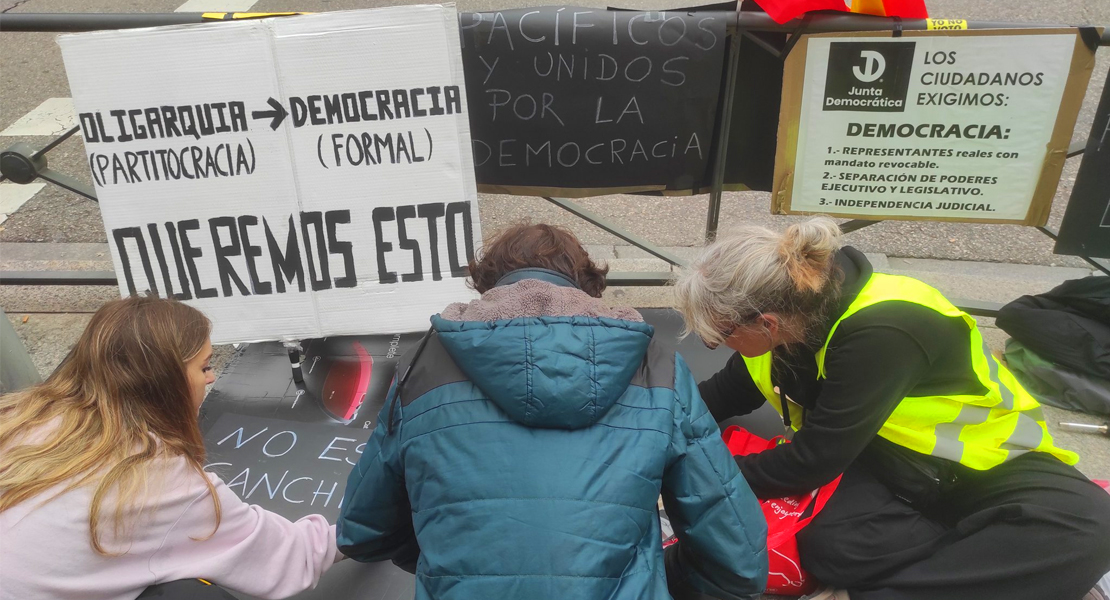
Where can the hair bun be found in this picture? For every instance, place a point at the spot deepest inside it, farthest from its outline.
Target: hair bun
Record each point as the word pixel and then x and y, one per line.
pixel 806 250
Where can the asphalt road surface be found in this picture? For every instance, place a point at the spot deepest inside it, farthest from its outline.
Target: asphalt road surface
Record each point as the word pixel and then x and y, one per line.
pixel 31 72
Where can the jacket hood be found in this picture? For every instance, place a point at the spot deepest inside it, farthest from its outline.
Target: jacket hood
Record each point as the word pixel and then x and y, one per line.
pixel 554 372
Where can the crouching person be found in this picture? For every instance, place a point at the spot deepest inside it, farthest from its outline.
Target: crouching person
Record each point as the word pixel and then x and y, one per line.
pixel 525 442
pixel 103 492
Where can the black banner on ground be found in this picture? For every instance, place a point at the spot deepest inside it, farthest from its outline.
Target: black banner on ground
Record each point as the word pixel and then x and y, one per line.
pixel 592 100
pixel 290 446
pixel 1086 227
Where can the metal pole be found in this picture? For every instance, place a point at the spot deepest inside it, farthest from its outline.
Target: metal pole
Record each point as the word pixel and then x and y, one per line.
pixel 12 22
pixel 1101 264
pixel 1077 148
pixel 977 308
pixel 83 278
pixel 714 214
pixel 70 183
pixel 58 140
pixel 737 23
pixel 825 22
pixel 22 164
pixel 751 21
pixel 856 225
pixel 627 236
pixel 58 278
pixel 639 278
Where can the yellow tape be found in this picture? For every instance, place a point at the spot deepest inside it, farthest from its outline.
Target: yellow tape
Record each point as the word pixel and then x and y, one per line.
pixel 946 24
pixel 223 16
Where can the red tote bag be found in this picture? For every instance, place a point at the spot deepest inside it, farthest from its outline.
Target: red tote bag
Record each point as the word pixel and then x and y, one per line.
pixel 784 519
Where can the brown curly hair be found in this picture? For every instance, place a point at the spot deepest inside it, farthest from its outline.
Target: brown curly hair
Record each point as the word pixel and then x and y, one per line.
pixel 542 246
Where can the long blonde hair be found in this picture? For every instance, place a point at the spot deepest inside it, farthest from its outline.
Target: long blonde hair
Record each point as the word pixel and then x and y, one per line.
pixel 119 401
pixel 753 271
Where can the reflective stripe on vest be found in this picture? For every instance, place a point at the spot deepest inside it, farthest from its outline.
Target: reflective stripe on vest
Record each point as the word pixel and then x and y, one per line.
pixel 979 431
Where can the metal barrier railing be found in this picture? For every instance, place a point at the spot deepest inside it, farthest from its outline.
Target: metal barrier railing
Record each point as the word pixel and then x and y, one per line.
pixel 743 21
pixel 22 163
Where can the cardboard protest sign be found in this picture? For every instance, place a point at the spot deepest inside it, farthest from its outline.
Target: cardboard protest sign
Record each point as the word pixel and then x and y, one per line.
pixel 943 125
pixel 1085 230
pixel 291 178
pixel 576 101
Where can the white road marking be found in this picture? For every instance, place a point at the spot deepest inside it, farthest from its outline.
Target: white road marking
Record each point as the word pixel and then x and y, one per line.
pixel 13 195
pixel 216 6
pixel 54 116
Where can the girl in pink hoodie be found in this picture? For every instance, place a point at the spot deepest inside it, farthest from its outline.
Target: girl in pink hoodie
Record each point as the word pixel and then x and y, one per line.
pixel 102 487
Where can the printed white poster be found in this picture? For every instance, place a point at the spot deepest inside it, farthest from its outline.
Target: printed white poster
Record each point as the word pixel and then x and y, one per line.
pixel 939 126
pixel 292 178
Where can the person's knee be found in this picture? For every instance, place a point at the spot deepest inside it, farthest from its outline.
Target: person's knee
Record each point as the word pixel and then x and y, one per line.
pixel 815 540
pixel 843 553
pixel 1088 533
pixel 1098 538
pixel 818 549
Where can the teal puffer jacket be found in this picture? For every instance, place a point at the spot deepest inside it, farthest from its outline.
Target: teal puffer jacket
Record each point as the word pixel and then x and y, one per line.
pixel 523 459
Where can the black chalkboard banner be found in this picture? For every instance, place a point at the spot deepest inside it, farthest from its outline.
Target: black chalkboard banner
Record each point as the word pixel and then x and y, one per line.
pixel 1085 230
pixel 578 101
pixel 290 446
pixel 285 463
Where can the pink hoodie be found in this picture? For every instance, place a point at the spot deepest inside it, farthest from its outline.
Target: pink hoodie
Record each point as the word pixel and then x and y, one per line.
pixel 45 551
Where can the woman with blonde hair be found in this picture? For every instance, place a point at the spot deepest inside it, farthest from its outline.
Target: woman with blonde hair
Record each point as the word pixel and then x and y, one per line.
pixel 952 486
pixel 102 487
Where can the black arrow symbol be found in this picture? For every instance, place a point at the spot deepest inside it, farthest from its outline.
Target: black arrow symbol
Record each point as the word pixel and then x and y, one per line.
pixel 278 114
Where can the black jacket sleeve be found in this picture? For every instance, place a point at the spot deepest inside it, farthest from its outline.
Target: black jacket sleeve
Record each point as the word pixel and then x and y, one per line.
pixel 731 392
pixel 868 371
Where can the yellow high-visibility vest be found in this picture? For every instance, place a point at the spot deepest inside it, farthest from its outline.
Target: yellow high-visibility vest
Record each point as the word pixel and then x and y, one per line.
pixel 978 431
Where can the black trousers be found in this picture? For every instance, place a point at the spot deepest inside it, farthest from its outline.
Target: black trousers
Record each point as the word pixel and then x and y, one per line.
pixel 1032 528
pixel 186 589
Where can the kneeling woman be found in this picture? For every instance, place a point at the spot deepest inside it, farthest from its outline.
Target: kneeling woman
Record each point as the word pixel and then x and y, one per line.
pixel 102 487
pixel 952 486
pixel 521 453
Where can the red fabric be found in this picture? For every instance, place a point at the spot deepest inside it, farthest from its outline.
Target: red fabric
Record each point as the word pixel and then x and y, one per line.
pixel 784 10
pixel 784 519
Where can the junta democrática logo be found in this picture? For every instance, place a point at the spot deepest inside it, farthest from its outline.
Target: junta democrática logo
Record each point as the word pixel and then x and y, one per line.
pixel 868 76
